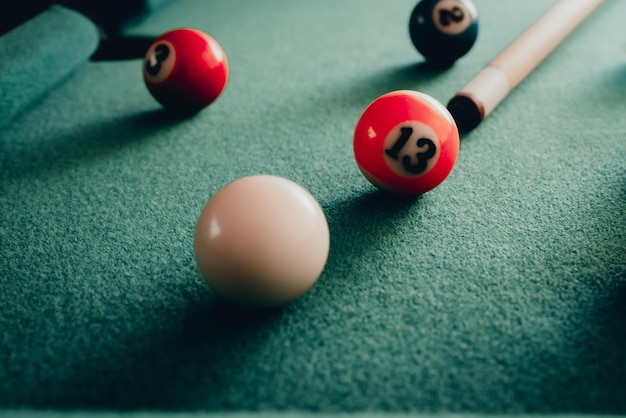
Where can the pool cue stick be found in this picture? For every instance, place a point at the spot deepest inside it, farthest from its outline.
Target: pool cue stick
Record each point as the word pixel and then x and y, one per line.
pixel 474 102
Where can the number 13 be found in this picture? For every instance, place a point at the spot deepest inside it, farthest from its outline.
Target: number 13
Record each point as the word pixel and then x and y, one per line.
pixel 422 157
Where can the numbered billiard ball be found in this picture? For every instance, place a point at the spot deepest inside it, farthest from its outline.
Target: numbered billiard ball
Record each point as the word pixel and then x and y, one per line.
pixel 406 142
pixel 261 241
pixel 443 30
pixel 185 70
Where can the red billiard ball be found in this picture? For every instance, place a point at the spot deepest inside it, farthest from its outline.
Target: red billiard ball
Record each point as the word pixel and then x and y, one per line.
pixel 443 30
pixel 406 142
pixel 185 70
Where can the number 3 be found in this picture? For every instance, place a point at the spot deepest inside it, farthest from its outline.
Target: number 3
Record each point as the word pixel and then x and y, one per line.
pixel 160 54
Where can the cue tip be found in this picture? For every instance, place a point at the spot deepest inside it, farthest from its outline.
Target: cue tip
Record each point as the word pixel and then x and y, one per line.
pixel 466 111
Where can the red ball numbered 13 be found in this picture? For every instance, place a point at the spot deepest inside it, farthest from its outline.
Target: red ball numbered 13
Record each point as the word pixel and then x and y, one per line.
pixel 406 142
pixel 185 69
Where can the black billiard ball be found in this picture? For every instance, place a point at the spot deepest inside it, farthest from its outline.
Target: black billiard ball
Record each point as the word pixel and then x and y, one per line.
pixel 443 30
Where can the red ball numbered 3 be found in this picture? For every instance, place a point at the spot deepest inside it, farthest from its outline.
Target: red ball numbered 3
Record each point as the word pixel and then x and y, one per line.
pixel 406 142
pixel 185 70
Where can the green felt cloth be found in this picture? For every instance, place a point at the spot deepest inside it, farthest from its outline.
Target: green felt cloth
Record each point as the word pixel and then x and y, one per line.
pixel 37 55
pixel 273 414
pixel 501 291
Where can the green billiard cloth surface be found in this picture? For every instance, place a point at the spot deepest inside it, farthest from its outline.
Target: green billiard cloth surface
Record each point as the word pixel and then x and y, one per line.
pixel 502 291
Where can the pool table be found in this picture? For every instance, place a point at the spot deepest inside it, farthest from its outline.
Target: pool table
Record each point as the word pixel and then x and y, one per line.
pixel 500 292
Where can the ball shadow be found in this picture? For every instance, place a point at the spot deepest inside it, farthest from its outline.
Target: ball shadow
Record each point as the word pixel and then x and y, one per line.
pixel 359 224
pixel 189 358
pixel 209 347
pixel 597 387
pixel 118 48
pixel 226 318
pixel 71 147
pixel 412 76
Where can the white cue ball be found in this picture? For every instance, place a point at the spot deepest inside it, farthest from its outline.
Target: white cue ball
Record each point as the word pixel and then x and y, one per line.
pixel 261 241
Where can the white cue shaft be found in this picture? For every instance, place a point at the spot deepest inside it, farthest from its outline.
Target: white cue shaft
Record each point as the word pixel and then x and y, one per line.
pixel 492 84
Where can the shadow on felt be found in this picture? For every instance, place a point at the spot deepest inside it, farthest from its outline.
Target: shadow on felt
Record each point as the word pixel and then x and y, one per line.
pixel 206 353
pixel 226 318
pixel 359 225
pixel 192 357
pixel 596 379
pixel 412 76
pixel 344 101
pixel 49 153
pixel 409 76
